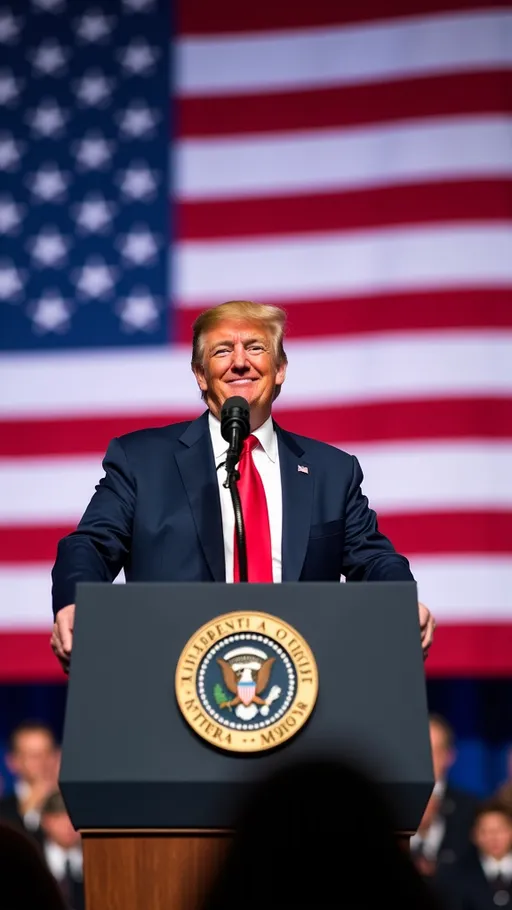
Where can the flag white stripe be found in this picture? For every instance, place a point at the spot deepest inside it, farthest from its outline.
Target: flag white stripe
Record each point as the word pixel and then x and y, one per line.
pixel 474 589
pixel 414 257
pixel 343 55
pixel 336 159
pixel 397 366
pixel 399 477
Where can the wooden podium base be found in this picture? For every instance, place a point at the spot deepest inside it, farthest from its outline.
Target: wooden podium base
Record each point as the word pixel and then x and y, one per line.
pixel 161 870
pixel 137 870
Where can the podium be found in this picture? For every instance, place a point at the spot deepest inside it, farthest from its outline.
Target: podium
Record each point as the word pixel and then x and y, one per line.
pixel 155 800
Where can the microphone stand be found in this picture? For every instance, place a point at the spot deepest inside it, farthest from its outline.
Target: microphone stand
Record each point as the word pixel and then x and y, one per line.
pixel 232 477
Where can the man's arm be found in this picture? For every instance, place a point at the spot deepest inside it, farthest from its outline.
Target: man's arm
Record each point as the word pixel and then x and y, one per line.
pixel 368 555
pixel 97 550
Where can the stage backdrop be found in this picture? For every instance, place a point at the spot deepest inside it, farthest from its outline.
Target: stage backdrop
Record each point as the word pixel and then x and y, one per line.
pixel 351 162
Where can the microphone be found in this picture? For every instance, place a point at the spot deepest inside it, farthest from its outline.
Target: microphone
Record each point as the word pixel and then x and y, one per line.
pixel 235 427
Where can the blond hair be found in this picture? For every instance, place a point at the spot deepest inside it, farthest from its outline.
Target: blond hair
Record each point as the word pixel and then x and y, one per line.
pixel 272 318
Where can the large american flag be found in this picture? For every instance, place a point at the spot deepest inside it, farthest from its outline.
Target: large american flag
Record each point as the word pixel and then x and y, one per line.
pixel 349 161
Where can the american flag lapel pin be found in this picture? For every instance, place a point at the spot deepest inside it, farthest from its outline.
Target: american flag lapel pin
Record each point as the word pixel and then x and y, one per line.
pixel 303 469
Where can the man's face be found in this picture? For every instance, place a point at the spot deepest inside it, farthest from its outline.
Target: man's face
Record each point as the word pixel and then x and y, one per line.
pixel 238 360
pixel 34 757
pixel 442 754
pixel 58 828
pixel 493 834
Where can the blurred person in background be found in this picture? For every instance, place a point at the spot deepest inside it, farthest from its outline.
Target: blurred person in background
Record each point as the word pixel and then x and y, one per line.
pixel 318 833
pixel 482 880
pixel 161 511
pixel 62 849
pixel 33 757
pixel 443 836
pixel 25 880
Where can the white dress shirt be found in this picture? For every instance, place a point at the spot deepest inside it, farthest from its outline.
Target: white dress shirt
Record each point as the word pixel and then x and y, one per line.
pixel 266 461
pixel 57 857
pixel 494 867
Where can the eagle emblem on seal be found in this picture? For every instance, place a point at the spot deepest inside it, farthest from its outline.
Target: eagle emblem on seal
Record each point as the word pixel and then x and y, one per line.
pixel 246 672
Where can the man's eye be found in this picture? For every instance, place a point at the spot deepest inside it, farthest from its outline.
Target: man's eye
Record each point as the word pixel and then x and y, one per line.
pixel 256 347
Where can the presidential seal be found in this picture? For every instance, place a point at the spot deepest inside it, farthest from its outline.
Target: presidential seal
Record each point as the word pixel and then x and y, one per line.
pixel 246 681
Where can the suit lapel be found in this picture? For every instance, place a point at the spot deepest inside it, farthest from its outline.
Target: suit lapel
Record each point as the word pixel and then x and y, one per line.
pixel 297 488
pixel 196 465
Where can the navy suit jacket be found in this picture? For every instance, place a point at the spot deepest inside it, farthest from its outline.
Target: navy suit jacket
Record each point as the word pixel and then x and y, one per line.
pixel 156 514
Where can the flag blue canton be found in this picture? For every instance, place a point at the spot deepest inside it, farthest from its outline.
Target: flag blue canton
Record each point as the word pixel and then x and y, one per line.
pixel 84 151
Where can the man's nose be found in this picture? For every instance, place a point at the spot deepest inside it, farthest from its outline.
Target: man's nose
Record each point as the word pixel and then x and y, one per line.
pixel 239 358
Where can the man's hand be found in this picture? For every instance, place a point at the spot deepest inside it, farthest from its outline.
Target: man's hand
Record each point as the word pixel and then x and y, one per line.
pixel 427 626
pixel 62 635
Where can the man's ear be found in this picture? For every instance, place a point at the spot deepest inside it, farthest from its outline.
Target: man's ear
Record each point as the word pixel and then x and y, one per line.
pixel 11 763
pixel 280 374
pixel 198 371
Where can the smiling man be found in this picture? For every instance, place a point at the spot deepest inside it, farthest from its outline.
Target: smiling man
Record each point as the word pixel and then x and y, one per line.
pixel 162 513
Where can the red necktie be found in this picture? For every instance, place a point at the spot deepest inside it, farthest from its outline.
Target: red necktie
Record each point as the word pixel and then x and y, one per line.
pixel 257 525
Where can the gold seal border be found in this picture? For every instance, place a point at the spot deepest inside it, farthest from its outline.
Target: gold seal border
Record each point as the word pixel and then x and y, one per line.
pixel 236 623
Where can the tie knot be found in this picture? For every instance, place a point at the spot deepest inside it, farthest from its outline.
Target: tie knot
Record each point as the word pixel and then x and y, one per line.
pixel 250 443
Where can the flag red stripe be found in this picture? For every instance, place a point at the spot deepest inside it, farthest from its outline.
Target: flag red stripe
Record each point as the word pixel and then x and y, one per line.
pixel 195 17
pixel 342 106
pixel 445 418
pixel 483 650
pixel 434 309
pixel 418 533
pixel 455 200
pixel 432 533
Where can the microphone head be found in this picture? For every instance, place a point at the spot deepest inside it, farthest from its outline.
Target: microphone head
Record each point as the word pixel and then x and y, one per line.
pixel 235 413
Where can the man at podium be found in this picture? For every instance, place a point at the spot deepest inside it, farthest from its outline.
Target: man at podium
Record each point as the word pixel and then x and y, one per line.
pixel 162 511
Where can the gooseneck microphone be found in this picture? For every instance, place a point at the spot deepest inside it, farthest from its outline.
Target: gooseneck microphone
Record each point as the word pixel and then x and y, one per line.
pixel 235 426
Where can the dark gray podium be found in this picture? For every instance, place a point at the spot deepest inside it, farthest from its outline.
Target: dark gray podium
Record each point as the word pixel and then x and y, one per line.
pixel 154 801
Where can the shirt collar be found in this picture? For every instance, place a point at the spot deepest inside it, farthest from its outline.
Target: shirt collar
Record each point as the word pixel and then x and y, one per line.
pixel 266 436
pixel 493 867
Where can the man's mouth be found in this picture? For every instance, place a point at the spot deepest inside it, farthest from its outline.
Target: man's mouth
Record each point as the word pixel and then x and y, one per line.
pixel 240 381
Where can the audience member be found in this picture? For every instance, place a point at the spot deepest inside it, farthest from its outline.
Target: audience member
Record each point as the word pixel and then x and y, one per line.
pixel 62 849
pixel 482 880
pixel 444 833
pixel 25 880
pixel 33 758
pixel 317 834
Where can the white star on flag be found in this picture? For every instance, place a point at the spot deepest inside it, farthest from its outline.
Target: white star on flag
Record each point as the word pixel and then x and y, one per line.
pixel 93 152
pixel 10 281
pixel 10 153
pixel 94 89
pixel 49 6
pixel 139 311
pixel 49 248
pixel 51 313
pixel 10 27
pixel 139 247
pixel 10 87
pixel 11 214
pixel 95 279
pixel 138 6
pixel 49 183
pixel 94 26
pixel 48 119
pixel 139 57
pixel 94 214
pixel 49 58
pixel 138 120
pixel 138 182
